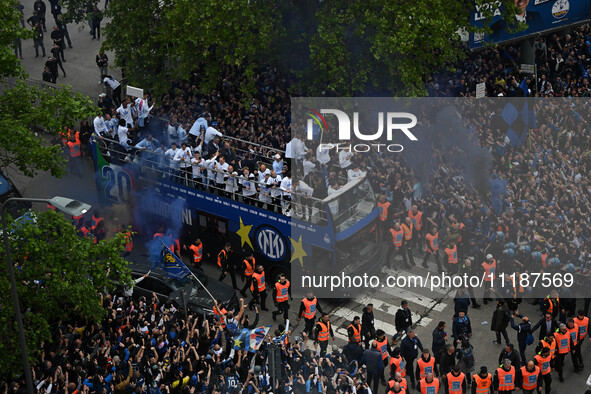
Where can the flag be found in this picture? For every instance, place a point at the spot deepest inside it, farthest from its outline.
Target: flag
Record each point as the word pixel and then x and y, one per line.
pixel 240 339
pixel 255 338
pixel 517 119
pixel 173 266
pixel 326 181
pixel 523 86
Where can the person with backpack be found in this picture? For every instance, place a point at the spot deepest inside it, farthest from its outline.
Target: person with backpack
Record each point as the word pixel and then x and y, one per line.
pixel 524 336
pixel 466 359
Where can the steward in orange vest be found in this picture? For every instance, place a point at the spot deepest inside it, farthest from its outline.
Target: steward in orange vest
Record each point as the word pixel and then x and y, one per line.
pixel 258 288
pixel 429 384
pixel 528 377
pixel 426 365
pixel 281 295
pixel 385 214
pixel 308 308
pixel 323 332
pixel 225 265
pixel 396 247
pixel 451 254
pixel 197 249
pixel 455 381
pixel 248 264
pixel 354 331
pixel 504 379
pixel 544 362
pixel 408 229
pixel 432 248
pixel 482 382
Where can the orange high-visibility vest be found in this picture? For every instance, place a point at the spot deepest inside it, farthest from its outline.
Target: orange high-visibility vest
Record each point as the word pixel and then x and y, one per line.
pixel 530 379
pixel 384 210
pixel 260 281
pixel 356 333
pixel 583 325
pixel 197 252
pixel 573 332
pixel 383 348
pixel 325 332
pixel 552 346
pixel 417 219
pixel 282 291
pixel 429 388
pixel 432 241
pixel 562 342
pixel 452 255
pixel 544 363
pixel 309 308
pixel 426 367
pixel 398 366
pixel 74 146
pixel 407 231
pixel 506 379
pixel 222 255
pixel 483 385
pixel 489 269
pixel 397 236
pixel 454 383
pixel 403 384
pixel 460 237
pixel 248 268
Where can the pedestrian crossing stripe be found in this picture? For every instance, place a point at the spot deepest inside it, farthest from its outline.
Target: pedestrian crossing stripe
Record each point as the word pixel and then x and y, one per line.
pixel 413 297
pixel 388 328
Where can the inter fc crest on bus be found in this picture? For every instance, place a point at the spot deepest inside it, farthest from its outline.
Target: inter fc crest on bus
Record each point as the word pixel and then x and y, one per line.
pixel 270 243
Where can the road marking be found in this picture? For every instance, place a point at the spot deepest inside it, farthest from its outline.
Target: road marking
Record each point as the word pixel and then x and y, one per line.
pixel 412 297
pixel 390 329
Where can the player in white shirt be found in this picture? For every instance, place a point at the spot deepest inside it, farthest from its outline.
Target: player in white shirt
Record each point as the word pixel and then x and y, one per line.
pixel 274 183
pixel 124 112
pixel 196 167
pixel 286 191
pixel 221 168
pixel 262 172
pixel 210 166
pixel 248 185
pixel 308 164
pixel 211 132
pixel 355 173
pixel 143 109
pixel 183 158
pixel 100 128
pixel 345 159
pixel 302 193
pixel 264 192
pixel 172 164
pixel 231 181
pixel 123 135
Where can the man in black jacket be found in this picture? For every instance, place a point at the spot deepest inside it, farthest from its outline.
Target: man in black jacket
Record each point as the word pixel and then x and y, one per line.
pixel 510 354
pixel 547 326
pixel 368 331
pixel 409 350
pixel 523 329
pixel 402 320
pixel 439 338
pixel 447 360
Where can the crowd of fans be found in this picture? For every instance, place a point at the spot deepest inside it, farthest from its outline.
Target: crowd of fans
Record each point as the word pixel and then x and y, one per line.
pixel 538 221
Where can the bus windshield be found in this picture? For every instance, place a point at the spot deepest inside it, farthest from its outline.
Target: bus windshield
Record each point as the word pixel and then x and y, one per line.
pixel 350 204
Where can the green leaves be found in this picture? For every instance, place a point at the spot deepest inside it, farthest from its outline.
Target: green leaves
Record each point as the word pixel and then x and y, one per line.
pixel 25 109
pixel 59 275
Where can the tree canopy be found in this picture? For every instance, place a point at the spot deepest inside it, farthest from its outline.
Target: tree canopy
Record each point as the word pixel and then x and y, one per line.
pixel 357 47
pixel 59 275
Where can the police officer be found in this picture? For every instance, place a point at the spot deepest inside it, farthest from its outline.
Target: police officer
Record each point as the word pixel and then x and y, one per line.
pixel 308 308
pixel 281 294
pixel 258 288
